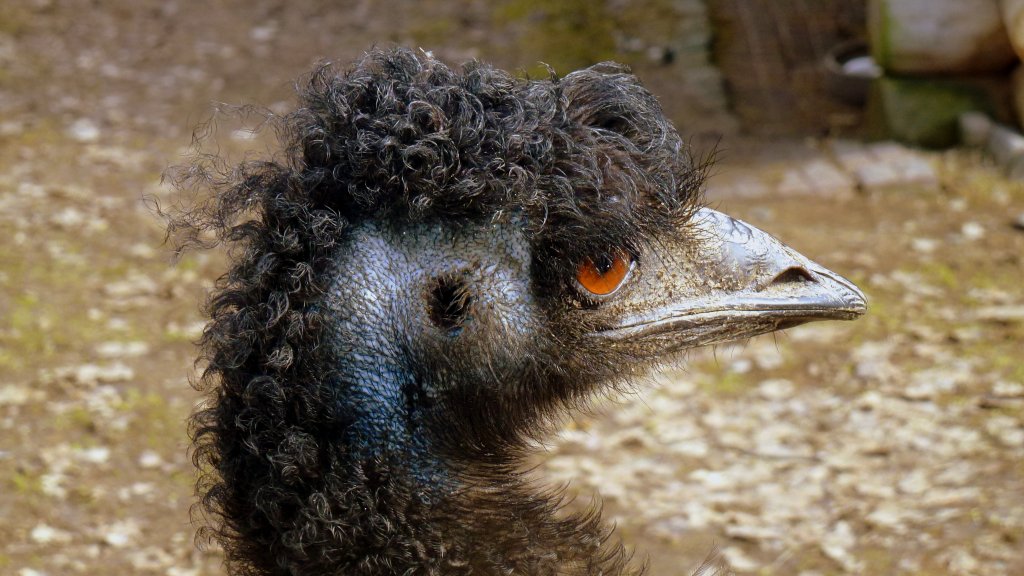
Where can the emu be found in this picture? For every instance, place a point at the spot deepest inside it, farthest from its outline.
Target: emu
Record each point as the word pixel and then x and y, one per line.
pixel 440 263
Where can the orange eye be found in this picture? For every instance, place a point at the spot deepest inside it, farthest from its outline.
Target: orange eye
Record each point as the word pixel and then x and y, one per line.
pixel 604 275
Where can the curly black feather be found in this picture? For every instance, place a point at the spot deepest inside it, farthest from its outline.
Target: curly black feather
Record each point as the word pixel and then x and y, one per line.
pixel 584 160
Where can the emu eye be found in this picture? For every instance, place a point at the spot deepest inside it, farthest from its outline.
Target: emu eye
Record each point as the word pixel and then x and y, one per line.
pixel 603 275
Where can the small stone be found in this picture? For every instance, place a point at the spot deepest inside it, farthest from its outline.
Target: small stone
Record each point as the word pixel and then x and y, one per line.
pixel 120 534
pixel 924 245
pixel 1004 389
pixel 837 545
pixel 44 534
pixel 141 250
pixel 84 130
pixel 122 349
pixel 53 485
pixel 96 455
pixel 776 389
pixel 1018 223
pixel 150 459
pixel 975 128
pixel 874 176
pixel 89 375
pixel 68 218
pixel 263 33
pixel 741 366
pixel 15 395
pixel 962 562
pixel 738 560
pixel 134 285
pixel 972 231
pixel 1005 145
pixel 916 483
pixel 150 559
pixel 888 516
pixel 1001 314
pixel 10 128
pixel 1007 430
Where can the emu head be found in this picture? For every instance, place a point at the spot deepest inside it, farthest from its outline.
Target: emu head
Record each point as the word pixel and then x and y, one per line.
pixel 442 261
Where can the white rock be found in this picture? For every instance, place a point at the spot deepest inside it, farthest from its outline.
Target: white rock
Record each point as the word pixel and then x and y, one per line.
pixel 837 545
pixel 924 245
pixel 1013 19
pixel 939 36
pixel 1002 314
pixel 95 455
pixel 120 534
pixel 776 389
pixel 53 485
pixel 738 560
pixel 975 128
pixel 1007 430
pixel 44 534
pixel 263 33
pixel 84 130
pixel 973 231
pixel 150 459
pixel 122 349
pixel 17 395
pixel 1004 389
pixel 134 285
pixel 88 375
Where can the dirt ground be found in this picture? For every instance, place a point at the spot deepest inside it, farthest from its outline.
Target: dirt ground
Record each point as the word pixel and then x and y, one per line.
pixel 891 445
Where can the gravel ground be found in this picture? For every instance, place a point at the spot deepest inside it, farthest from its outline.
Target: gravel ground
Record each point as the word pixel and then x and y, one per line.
pixel 891 445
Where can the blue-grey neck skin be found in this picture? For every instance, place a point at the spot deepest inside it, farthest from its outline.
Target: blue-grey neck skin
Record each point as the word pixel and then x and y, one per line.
pixel 380 329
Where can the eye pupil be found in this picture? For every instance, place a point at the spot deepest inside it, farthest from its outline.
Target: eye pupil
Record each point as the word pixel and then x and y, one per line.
pixel 604 263
pixel 604 274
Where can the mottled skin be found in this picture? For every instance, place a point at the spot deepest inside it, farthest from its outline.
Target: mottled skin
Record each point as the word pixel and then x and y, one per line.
pixel 403 314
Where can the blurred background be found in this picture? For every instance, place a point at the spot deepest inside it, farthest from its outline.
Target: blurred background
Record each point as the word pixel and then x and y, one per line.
pixel 879 138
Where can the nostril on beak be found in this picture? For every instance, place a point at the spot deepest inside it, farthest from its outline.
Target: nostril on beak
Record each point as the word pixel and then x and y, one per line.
pixel 793 275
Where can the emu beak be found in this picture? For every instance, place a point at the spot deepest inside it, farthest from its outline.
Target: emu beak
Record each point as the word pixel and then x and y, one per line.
pixel 726 280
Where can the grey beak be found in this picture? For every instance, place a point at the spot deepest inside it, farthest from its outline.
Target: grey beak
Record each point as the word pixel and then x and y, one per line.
pixel 728 280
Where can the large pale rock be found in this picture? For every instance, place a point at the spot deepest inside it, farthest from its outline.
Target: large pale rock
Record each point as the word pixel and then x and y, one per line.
pixel 1013 19
pixel 939 36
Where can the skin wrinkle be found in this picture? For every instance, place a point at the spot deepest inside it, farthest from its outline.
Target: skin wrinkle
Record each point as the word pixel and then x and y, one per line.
pixel 348 431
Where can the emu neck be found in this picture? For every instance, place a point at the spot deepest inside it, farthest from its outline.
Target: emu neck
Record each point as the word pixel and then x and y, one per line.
pixel 385 405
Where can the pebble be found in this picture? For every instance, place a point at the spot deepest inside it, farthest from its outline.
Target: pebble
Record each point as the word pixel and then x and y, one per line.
pixel 90 375
pixel 18 395
pixel 263 33
pixel 1005 389
pixel 122 349
pixel 120 534
pixel 95 455
pixel 776 389
pixel 738 560
pixel 84 130
pixel 135 285
pixel 924 245
pixel 1018 222
pixel 1007 430
pixel 1001 314
pixel 45 534
pixel 972 231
